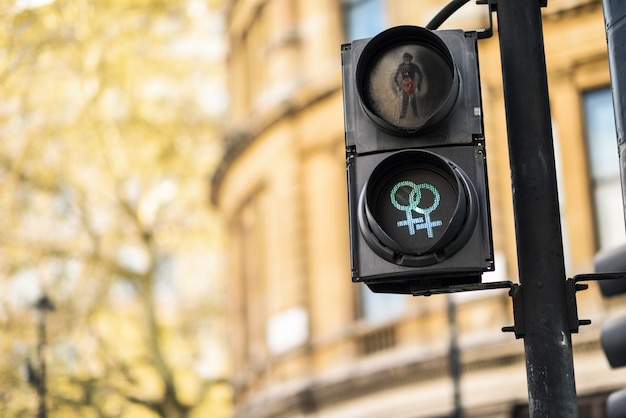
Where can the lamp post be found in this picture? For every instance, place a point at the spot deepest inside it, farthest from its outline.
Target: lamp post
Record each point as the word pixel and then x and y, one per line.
pixel 454 359
pixel 37 377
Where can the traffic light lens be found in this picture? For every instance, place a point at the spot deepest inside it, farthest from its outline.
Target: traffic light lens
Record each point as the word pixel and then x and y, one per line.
pixel 407 80
pixel 417 208
pixel 414 210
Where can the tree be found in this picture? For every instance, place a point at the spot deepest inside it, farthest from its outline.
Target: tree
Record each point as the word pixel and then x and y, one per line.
pixel 107 121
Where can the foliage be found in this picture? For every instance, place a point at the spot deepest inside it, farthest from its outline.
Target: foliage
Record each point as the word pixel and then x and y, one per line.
pixel 107 126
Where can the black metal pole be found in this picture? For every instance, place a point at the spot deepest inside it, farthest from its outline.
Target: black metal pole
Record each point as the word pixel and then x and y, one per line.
pixel 454 359
pixel 41 382
pixel 42 306
pixel 547 339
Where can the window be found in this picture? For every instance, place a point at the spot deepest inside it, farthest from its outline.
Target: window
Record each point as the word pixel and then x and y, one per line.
pixel 252 76
pixel 250 284
pixel 604 167
pixel 363 18
pixel 589 406
pixel 380 307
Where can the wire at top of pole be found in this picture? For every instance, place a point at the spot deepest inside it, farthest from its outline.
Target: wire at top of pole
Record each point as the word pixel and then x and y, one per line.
pixel 445 13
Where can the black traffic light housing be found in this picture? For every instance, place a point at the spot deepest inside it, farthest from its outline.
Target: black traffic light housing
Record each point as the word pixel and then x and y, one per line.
pixel 417 178
pixel 613 335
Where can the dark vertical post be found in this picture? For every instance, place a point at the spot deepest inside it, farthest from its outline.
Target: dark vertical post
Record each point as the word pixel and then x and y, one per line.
pixel 41 382
pixel 454 359
pixel 547 340
pixel 43 305
pixel 614 13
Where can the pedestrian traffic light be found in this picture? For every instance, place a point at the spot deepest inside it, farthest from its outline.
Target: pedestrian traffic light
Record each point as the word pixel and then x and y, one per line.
pixel 613 334
pixel 415 155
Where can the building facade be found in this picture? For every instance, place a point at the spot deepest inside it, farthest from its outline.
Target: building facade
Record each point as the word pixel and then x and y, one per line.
pixel 305 340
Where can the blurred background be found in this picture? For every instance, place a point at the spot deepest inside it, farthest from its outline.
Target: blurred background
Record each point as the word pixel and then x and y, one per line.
pixel 110 251
pixel 174 217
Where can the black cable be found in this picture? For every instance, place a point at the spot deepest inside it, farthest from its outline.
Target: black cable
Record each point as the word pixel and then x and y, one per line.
pixel 445 13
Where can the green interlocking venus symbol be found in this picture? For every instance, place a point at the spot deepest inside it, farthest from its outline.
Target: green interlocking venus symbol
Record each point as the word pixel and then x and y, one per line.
pixel 415 197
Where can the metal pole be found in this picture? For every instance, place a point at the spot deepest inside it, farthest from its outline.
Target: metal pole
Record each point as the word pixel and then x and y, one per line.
pixel 454 359
pixel 41 382
pixel 547 339
pixel 43 305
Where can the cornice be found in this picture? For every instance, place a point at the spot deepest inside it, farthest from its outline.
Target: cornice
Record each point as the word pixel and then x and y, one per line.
pixel 581 6
pixel 310 395
pixel 238 140
pixel 390 370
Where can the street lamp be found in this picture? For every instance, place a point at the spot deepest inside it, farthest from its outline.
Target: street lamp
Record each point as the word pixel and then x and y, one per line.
pixel 37 377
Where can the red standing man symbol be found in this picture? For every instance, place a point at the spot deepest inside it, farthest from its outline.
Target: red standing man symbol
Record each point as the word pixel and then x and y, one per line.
pixel 408 79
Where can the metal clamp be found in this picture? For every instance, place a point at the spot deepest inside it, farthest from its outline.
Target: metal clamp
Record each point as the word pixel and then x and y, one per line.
pixel 571 288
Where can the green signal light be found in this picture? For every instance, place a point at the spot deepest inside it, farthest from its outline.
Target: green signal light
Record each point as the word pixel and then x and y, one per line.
pixel 414 198
pixel 417 208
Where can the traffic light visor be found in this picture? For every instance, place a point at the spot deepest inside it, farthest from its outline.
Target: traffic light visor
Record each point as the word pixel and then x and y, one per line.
pixel 407 80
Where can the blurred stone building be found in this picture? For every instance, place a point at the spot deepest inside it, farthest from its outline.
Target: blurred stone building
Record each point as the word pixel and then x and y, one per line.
pixel 308 342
